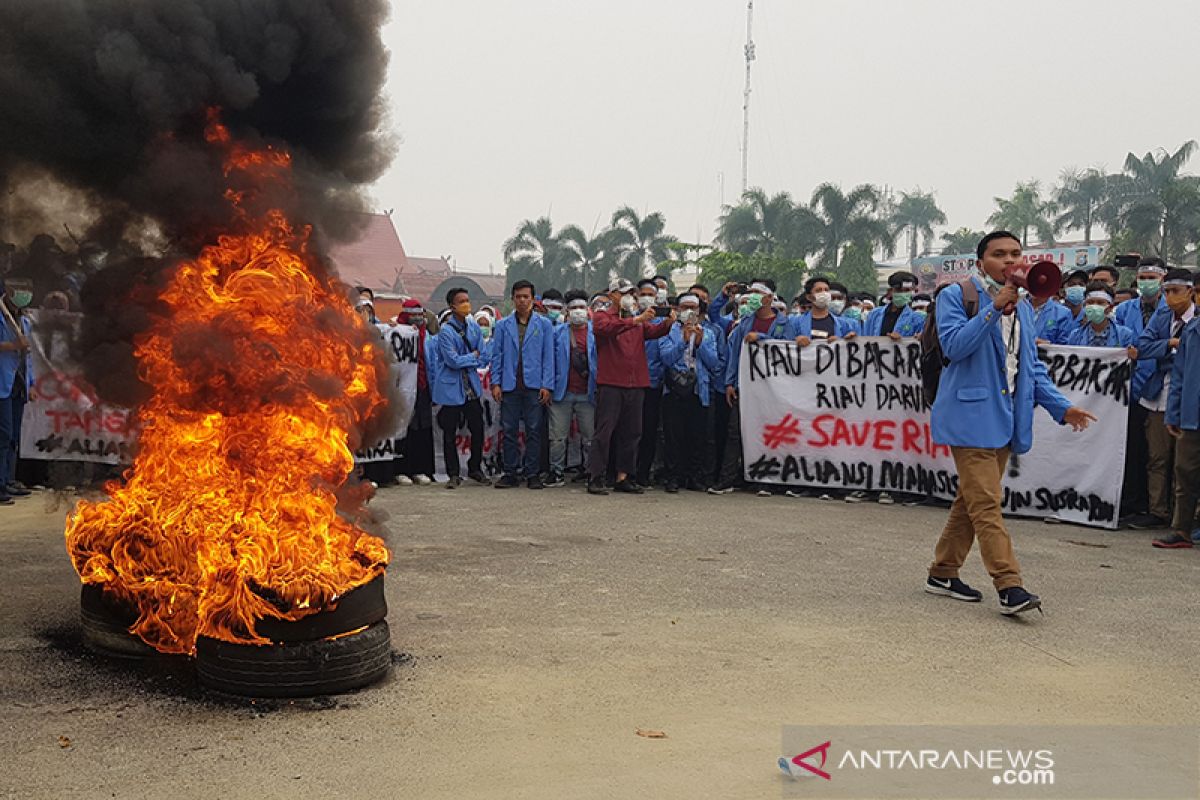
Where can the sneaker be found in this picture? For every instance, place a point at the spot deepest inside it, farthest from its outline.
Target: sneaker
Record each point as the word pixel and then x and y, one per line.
pixel 596 486
pixel 952 587
pixel 454 482
pixel 478 477
pixel 885 499
pixel 404 480
pixel 555 480
pixel 17 490
pixel 536 482
pixel 856 497
pixel 671 487
pixel 628 486
pixel 1017 600
pixel 797 493
pixel 697 486
pixel 722 489
pixel 826 496
pixel 5 500
pixel 763 493
pixel 1175 541
pixel 1145 522
pixel 422 480
pixel 507 482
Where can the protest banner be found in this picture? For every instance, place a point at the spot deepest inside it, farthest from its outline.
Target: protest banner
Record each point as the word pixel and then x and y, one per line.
pixel 64 419
pixel 851 415
pixel 934 271
pixel 400 342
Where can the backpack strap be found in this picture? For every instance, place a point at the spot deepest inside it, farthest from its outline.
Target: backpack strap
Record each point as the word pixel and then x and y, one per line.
pixel 970 297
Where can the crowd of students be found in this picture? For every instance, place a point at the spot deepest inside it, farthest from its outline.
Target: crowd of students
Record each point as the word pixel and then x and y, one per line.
pixel 651 380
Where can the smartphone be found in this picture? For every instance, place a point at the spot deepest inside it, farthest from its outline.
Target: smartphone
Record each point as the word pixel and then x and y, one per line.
pixel 1126 262
pixel 662 311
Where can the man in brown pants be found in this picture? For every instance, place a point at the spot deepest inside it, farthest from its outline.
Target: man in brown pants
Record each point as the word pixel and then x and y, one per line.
pixel 1183 423
pixel 991 381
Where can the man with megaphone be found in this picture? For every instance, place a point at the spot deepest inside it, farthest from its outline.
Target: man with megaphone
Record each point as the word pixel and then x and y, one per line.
pixel 990 382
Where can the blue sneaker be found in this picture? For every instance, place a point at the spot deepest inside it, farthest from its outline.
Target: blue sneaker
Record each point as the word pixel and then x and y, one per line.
pixel 1196 536
pixel 952 587
pixel 1017 600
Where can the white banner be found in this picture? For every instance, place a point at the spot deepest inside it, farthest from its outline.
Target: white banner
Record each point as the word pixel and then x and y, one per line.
pixel 64 419
pixel 401 344
pixel 851 415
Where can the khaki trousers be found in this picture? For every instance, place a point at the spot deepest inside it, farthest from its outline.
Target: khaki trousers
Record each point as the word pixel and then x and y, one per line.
pixel 1158 467
pixel 1187 481
pixel 977 514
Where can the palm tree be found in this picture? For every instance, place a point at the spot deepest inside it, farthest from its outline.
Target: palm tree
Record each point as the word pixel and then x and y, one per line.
pixel 834 220
pixel 960 241
pixel 638 243
pixel 588 256
pixel 917 213
pixel 1024 210
pixel 535 253
pixel 1159 207
pixel 1079 198
pixel 759 223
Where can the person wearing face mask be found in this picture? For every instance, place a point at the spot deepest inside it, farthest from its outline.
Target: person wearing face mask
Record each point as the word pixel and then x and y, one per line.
pixel 1107 273
pixel 984 410
pixel 16 378
pixel 622 375
pixel 1074 290
pixel 689 355
pixel 552 302
pixel 648 297
pixel 486 323
pixel 896 319
pixel 854 311
pixel 821 324
pixel 1156 346
pixel 758 321
pixel 1101 330
pixel 920 304
pixel 1183 424
pixel 365 305
pixel 456 386
pixel 839 296
pixel 415 463
pixel 1054 321
pixel 574 386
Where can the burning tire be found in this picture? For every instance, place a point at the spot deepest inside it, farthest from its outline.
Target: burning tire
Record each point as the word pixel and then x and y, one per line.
pixel 106 625
pixel 357 609
pixel 296 669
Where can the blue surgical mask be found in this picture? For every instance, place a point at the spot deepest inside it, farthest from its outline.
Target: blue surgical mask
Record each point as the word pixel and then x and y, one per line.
pixel 1095 313
pixel 901 299
pixel 854 313
pixel 1075 294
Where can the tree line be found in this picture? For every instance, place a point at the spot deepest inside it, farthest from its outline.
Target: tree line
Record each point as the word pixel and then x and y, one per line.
pixel 1150 207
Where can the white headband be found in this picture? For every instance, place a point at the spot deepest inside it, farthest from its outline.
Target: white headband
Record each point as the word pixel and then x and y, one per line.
pixel 906 285
pixel 761 288
pixel 577 303
pixel 1153 268
pixel 1177 282
pixel 1098 296
pixel 687 298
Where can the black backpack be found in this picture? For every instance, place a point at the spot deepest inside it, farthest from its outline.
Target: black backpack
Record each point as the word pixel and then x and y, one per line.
pixel 932 359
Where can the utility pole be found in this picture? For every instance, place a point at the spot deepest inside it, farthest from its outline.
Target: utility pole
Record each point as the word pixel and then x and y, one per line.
pixel 746 96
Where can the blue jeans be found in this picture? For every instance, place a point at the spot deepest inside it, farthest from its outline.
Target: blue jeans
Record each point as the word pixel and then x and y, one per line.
pixel 11 409
pixel 518 407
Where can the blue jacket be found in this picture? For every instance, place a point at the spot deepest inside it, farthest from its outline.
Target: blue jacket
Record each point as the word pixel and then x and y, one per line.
pixel 653 363
pixel 784 327
pixel 721 342
pixel 455 358
pixel 716 307
pixel 910 322
pixel 537 356
pixel 562 361
pixel 842 326
pixel 973 407
pixel 1183 400
pixel 671 351
pixel 10 360
pixel 1114 336
pixel 1155 352
pixel 1129 314
pixel 1054 322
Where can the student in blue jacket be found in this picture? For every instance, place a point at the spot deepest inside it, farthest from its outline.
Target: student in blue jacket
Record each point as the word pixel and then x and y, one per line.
pixel 1054 322
pixel 689 356
pixel 984 412
pixel 1156 346
pixel 16 378
pixel 522 383
pixel 896 319
pixel 1183 423
pixel 820 323
pixel 574 386
pixel 1100 330
pixel 456 386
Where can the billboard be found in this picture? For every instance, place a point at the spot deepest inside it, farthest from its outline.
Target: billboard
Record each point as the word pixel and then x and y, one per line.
pixel 933 271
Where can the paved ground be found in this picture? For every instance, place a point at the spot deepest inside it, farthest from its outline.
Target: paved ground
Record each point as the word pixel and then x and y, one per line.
pixel 540 630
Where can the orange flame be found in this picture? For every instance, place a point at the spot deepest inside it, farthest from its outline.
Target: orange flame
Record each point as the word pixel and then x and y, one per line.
pixel 260 374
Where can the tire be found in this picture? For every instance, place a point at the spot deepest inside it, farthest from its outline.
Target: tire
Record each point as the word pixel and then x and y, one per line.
pixel 106 625
pixel 358 608
pixel 299 669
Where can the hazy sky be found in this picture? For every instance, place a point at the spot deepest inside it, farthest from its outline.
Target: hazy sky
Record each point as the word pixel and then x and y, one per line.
pixel 511 109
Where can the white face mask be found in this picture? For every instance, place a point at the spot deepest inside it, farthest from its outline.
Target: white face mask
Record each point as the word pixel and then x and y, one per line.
pixel 687 315
pixel 644 301
pixel 628 303
pixel 837 306
pixel 577 316
pixel 661 297
pixel 821 299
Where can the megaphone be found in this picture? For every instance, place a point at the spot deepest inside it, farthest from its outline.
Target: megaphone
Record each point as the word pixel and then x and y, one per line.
pixel 1041 279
